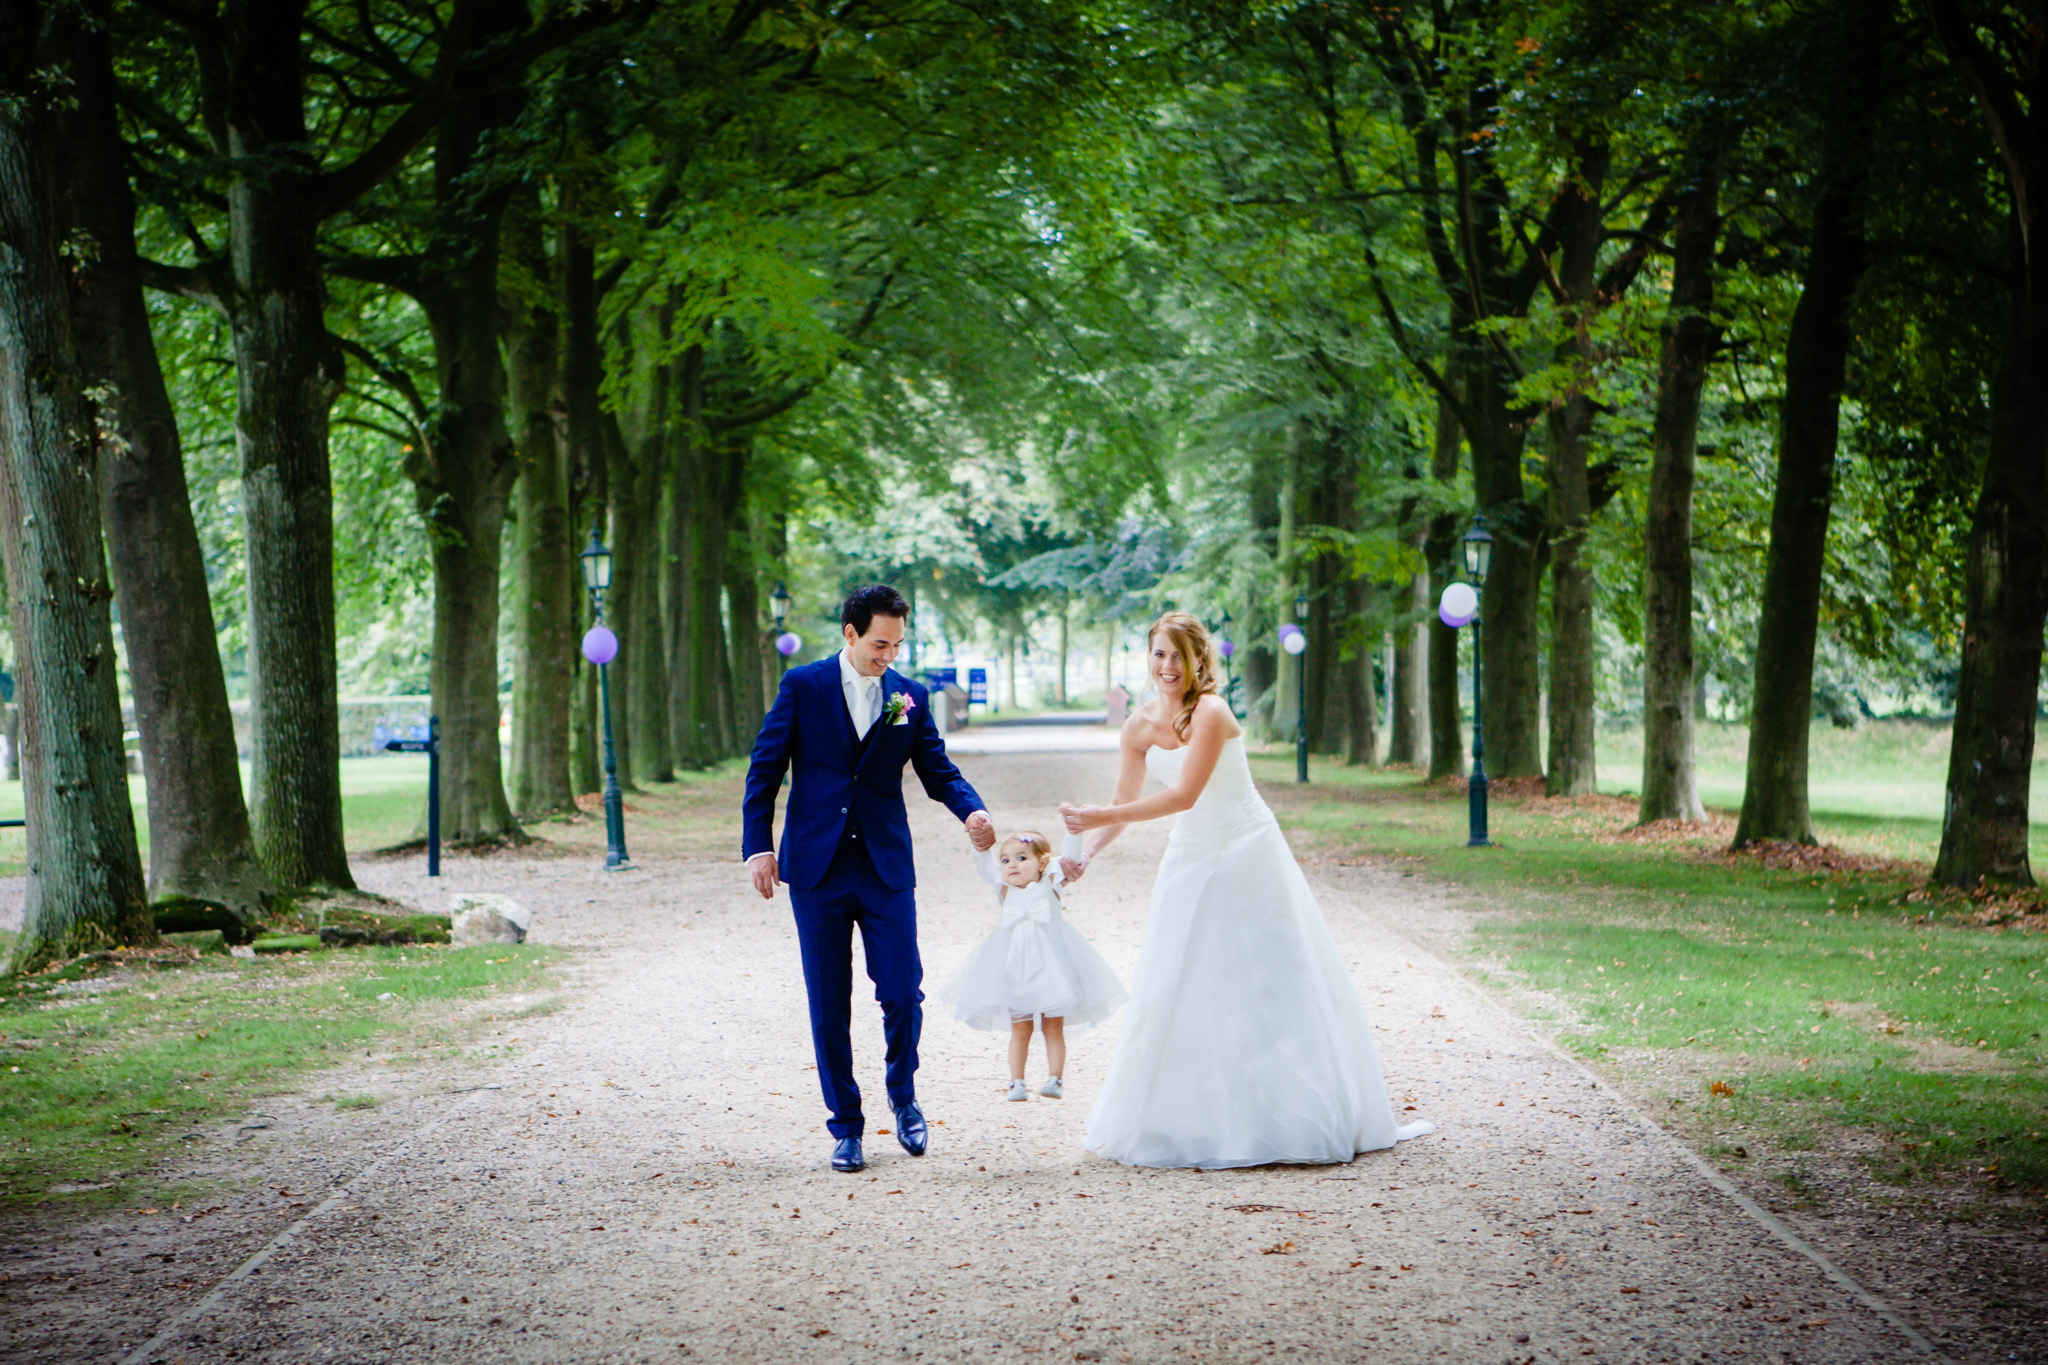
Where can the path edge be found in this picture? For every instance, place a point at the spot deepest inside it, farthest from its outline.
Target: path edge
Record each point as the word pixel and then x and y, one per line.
pixel 142 1354
pixel 1757 1213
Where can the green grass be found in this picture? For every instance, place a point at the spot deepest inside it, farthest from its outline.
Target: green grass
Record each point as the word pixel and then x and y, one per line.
pixel 1824 1001
pixel 96 1084
pixel 1879 787
pixel 383 802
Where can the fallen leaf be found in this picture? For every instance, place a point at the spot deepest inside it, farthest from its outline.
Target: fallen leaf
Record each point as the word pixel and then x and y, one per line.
pixel 1631 1289
pixel 1558 1261
pixel 1721 1088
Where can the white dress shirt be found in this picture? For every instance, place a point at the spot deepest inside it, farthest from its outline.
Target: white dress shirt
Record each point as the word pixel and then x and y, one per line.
pixel 863 707
pixel 863 696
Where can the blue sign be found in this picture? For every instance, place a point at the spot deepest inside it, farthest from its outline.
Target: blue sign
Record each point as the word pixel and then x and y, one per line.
pixel 942 677
pixel 6 687
pixel 977 686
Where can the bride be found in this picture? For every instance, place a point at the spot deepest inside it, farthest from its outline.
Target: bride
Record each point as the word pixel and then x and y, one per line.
pixel 1245 1042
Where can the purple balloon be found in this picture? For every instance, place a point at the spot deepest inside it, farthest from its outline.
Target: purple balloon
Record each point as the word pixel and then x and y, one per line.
pixel 600 646
pixel 1226 647
pixel 788 643
pixel 1458 605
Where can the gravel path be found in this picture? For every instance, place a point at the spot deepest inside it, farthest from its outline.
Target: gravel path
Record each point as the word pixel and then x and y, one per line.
pixel 649 1183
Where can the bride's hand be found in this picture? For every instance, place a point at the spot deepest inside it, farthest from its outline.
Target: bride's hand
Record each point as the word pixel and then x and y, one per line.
pixel 1081 819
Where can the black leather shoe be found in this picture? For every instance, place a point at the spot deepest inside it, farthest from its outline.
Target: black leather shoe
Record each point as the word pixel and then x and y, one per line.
pixel 910 1129
pixel 846 1156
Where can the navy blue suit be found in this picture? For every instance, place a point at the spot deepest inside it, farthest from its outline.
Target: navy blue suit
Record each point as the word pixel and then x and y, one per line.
pixel 847 859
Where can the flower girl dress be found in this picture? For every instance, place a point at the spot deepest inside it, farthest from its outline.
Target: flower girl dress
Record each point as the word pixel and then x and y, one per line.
pixel 1035 965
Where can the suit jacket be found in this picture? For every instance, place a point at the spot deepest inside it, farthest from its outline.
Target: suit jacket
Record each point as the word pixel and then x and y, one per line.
pixel 837 777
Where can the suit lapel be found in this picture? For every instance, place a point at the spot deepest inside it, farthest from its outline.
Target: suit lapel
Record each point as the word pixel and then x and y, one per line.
pixel 835 696
pixel 867 746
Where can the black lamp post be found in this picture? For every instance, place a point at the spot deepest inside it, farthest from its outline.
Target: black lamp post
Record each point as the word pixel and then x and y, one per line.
pixel 778 607
pixel 1301 690
pixel 597 578
pixel 1478 547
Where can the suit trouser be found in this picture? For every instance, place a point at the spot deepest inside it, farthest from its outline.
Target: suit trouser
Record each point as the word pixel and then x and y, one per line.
pixel 826 914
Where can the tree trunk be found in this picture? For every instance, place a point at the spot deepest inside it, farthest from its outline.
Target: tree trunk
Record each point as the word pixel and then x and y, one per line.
pixel 200 846
pixel 1010 672
pixel 1440 546
pixel 1514 675
pixel 463 479
pixel 1356 710
pixel 1816 352
pixel 1407 676
pixel 544 642
pixel 704 669
pixel 1571 721
pixel 1339 658
pixel 649 718
pixel 1108 656
pixel 1670 783
pixel 1060 675
pixel 1985 819
pixel 625 602
pixel 288 373
pixel 589 481
pixel 1991 751
pixel 1283 717
pixel 684 478
pixel 743 594
pixel 85 887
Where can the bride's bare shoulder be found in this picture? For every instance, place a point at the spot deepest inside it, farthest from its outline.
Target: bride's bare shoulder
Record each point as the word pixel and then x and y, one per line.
pixel 1214 713
pixel 1141 728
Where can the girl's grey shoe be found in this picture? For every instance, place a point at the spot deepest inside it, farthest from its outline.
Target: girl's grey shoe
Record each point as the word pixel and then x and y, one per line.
pixel 1018 1092
pixel 1051 1089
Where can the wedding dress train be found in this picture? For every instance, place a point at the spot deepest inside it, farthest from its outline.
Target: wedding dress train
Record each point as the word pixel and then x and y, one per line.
pixel 1245 1042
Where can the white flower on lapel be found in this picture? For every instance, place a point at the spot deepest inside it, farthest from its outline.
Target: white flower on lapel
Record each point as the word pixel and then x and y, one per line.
pixel 898 708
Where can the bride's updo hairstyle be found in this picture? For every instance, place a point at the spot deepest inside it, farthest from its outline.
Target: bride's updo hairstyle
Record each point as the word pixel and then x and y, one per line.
pixel 1188 638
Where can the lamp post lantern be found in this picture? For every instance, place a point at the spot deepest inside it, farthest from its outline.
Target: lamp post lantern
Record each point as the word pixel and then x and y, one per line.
pixel 1300 687
pixel 1478 547
pixel 600 646
pixel 778 607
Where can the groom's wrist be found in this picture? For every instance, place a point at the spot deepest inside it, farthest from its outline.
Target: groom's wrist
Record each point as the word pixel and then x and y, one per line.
pixel 768 853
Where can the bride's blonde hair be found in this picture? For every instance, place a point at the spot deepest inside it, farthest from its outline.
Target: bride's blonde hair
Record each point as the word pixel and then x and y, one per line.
pixel 1189 638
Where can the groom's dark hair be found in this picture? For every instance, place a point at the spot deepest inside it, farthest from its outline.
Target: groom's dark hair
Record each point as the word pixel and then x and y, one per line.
pixel 863 605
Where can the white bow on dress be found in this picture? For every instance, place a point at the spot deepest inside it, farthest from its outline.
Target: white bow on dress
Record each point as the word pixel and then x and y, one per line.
pixel 1028 910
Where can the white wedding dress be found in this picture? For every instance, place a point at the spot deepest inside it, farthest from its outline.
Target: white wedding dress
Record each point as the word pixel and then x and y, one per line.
pixel 1245 1042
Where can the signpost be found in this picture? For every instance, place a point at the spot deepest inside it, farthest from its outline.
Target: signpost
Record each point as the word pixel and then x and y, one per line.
pixel 431 747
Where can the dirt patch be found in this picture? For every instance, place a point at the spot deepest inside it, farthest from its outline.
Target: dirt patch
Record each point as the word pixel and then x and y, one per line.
pixel 1927 1054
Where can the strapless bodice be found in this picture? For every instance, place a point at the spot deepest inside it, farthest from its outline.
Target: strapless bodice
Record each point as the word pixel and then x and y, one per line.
pixel 1229 804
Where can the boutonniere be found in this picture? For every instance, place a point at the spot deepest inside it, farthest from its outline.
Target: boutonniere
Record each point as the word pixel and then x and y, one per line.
pixel 898 708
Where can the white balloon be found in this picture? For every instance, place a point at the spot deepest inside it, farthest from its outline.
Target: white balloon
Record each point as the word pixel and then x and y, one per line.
pixel 1294 643
pixel 1458 605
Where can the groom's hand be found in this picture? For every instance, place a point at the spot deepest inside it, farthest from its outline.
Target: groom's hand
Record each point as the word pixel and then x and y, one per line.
pixel 765 875
pixel 981 831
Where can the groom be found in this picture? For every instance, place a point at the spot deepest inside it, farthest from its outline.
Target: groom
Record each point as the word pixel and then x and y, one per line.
pixel 845 726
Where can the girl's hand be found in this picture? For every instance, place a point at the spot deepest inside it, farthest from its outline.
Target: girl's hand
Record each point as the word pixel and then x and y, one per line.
pixel 1081 819
pixel 1071 870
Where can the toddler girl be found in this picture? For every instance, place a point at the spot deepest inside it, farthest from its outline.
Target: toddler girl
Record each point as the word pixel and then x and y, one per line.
pixel 1035 967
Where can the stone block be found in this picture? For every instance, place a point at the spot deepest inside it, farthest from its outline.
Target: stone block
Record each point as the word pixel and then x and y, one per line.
pixel 482 917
